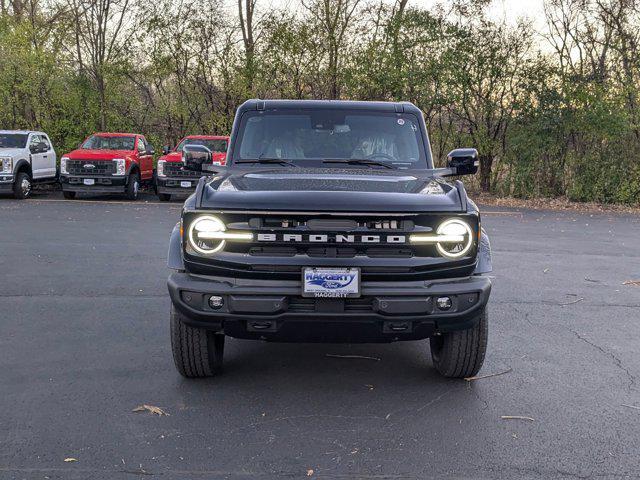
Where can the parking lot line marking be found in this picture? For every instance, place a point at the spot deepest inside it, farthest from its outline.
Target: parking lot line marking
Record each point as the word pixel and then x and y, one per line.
pixel 488 212
pixel 110 202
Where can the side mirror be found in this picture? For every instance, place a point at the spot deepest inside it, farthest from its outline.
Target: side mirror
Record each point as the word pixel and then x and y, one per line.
pixel 463 160
pixel 165 149
pixel 150 150
pixel 195 156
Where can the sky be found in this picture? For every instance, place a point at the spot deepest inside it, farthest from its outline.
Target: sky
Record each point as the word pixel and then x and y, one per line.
pixel 510 10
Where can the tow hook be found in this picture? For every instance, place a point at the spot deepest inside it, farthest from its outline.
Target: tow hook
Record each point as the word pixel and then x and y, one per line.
pixel 397 327
pixel 261 326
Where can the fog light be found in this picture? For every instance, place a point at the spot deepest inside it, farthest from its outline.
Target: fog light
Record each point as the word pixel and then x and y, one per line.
pixel 443 303
pixel 216 302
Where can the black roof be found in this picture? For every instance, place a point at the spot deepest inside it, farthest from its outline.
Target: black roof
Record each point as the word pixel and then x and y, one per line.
pixel 398 107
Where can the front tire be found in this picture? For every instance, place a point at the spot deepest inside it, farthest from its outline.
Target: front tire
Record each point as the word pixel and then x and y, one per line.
pixel 196 352
pixel 460 354
pixel 133 186
pixel 22 186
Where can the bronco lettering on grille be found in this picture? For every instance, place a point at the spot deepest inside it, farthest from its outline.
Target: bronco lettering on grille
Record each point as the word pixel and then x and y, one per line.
pixel 330 238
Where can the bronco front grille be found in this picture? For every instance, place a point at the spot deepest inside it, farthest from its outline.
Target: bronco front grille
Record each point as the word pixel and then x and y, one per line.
pixel 285 243
pixel 334 237
pixel 328 237
pixel 91 167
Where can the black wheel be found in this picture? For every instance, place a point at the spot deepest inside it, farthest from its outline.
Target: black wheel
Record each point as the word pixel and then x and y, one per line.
pixel 164 197
pixel 461 354
pixel 22 186
pixel 68 195
pixel 196 352
pixel 133 186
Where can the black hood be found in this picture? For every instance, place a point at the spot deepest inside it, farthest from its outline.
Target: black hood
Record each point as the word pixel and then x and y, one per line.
pixel 330 190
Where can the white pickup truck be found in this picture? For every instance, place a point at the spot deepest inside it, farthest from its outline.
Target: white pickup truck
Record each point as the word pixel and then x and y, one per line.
pixel 26 157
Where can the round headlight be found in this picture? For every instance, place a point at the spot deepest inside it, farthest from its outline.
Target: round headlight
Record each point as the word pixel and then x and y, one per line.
pixel 205 234
pixel 458 238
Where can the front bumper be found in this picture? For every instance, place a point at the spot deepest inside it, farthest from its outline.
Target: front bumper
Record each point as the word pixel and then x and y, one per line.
pixel 6 183
pixel 102 184
pixel 173 185
pixel 275 310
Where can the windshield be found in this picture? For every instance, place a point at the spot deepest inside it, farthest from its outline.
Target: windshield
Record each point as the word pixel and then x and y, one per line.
pixel 330 138
pixel 105 142
pixel 213 145
pixel 13 140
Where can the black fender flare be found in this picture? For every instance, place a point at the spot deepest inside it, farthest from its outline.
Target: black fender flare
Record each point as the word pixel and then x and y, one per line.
pixel 23 164
pixel 133 167
pixel 174 257
pixel 484 264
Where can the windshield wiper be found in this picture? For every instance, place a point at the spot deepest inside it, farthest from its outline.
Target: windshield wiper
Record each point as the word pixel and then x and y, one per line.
pixel 267 161
pixel 357 161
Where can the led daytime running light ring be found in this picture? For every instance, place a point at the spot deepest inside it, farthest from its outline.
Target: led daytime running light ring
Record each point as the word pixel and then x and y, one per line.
pixel 191 237
pixel 468 232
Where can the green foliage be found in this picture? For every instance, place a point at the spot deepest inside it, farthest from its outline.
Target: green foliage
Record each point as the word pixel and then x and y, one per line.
pixel 546 122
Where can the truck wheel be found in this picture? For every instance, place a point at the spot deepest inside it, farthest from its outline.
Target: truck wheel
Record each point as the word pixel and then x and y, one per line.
pixel 164 197
pixel 133 186
pixel 460 354
pixel 196 352
pixel 22 186
pixel 68 195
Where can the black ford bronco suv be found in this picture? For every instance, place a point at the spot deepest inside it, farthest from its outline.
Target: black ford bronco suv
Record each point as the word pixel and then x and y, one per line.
pixel 329 223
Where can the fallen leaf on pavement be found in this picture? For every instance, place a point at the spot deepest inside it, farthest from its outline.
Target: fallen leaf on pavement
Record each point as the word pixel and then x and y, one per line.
pixel 517 417
pixel 151 409
pixel 309 472
pixel 469 379
pixel 635 283
pixel 70 459
pixel 361 357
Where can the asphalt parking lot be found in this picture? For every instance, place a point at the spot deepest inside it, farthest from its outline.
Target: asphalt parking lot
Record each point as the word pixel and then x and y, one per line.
pixel 84 339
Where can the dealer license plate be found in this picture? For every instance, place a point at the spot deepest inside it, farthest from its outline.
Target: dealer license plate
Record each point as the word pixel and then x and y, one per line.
pixel 89 181
pixel 185 184
pixel 331 282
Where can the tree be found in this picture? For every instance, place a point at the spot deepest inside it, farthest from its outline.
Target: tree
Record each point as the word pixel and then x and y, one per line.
pixel 334 18
pixel 246 13
pixel 101 38
pixel 487 71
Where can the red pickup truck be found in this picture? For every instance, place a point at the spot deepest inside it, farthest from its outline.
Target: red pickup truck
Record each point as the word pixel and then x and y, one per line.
pixel 172 178
pixel 107 163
